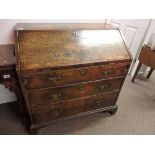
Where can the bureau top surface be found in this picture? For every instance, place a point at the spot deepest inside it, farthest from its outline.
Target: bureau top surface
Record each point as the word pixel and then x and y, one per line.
pixel 7 57
pixel 58 45
pixel 62 26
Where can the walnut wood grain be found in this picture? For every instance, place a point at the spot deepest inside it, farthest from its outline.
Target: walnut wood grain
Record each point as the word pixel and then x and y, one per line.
pixel 60 77
pixel 61 48
pixel 72 107
pixel 69 70
pixel 57 94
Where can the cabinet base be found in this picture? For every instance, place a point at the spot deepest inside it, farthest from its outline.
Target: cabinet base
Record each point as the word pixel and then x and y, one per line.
pixel 34 128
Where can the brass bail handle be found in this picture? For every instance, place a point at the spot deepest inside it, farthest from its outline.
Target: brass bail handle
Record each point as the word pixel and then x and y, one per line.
pixel 54 79
pixel 107 72
pixel 57 112
pixel 81 87
pixel 56 96
pixel 103 87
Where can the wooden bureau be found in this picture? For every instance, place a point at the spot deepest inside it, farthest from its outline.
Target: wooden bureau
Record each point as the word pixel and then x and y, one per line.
pixel 69 70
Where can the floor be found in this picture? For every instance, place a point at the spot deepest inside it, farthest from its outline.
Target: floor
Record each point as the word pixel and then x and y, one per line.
pixel 136 115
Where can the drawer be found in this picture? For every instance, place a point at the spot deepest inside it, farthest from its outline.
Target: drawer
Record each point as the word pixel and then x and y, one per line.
pixel 73 107
pixel 74 75
pixel 51 95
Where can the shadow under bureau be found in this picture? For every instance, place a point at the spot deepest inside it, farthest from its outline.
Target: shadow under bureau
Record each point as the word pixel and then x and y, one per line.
pixel 69 70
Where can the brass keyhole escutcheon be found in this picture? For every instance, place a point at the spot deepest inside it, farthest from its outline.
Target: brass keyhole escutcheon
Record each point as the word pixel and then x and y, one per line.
pixel 103 87
pixel 107 72
pixel 83 71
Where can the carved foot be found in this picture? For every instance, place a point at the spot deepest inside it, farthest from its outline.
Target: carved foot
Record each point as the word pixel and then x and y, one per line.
pixel 113 111
pixel 32 131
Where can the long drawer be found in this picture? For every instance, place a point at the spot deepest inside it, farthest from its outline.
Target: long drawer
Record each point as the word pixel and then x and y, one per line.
pixel 74 75
pixel 72 107
pixel 46 96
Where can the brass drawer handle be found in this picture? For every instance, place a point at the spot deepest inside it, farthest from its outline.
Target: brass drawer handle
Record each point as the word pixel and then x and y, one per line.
pixel 57 112
pixel 107 72
pixel 99 102
pixel 103 87
pixel 56 96
pixel 81 87
pixel 55 79
pixel 83 71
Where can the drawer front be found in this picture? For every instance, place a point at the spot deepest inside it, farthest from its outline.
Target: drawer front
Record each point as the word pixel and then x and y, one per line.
pixel 42 97
pixel 70 76
pixel 72 107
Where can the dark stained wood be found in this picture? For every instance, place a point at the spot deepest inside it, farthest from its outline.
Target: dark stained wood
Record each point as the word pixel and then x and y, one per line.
pixel 149 74
pixel 72 107
pixel 147 57
pixel 57 94
pixel 110 109
pixel 7 57
pixel 69 76
pixel 136 72
pixel 69 70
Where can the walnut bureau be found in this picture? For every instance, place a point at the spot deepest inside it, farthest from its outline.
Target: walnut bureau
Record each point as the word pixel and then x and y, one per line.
pixel 69 70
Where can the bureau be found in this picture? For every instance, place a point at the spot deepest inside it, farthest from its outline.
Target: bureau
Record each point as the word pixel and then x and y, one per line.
pixel 69 70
